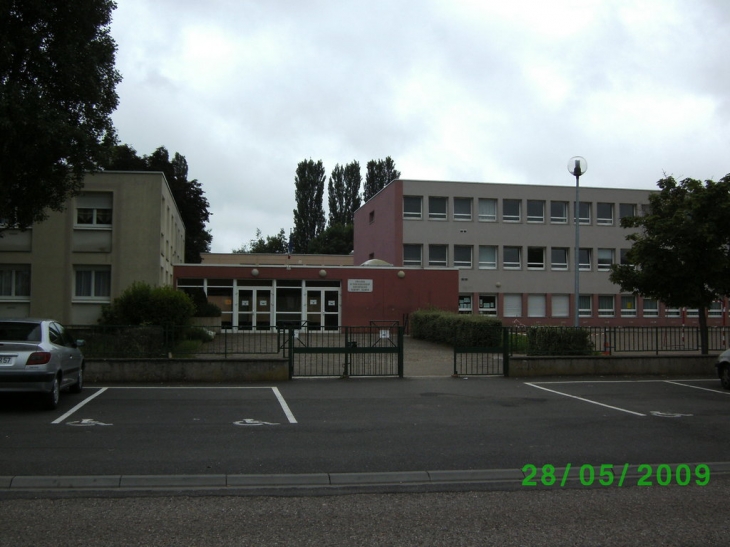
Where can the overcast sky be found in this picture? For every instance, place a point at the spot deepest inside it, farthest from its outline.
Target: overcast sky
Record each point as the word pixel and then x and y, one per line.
pixel 479 91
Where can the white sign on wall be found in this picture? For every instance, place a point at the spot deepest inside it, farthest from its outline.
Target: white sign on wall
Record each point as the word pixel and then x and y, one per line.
pixel 360 285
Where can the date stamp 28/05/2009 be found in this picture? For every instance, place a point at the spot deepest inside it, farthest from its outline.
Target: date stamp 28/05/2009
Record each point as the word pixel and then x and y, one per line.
pixel 609 475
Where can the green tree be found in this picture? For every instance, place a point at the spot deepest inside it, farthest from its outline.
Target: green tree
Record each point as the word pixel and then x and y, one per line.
pixel 335 240
pixel 353 181
pixel 336 196
pixel 272 244
pixel 344 193
pixel 188 194
pixel 142 304
pixel 57 93
pixel 681 255
pixel 309 218
pixel 379 174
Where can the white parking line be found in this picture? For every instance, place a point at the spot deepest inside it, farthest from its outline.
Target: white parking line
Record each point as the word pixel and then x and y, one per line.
pixel 284 406
pixel 274 389
pixel 78 406
pixel 697 387
pixel 586 400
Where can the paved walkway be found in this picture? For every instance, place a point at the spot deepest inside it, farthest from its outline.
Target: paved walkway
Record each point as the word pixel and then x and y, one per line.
pixel 421 358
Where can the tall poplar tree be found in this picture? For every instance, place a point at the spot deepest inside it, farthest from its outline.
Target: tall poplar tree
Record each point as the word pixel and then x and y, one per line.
pixel 344 193
pixel 379 174
pixel 309 218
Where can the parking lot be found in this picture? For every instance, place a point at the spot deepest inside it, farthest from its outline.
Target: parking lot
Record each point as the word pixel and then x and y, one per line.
pixel 367 426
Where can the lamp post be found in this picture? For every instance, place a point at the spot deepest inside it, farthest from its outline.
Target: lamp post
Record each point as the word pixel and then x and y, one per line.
pixel 577 165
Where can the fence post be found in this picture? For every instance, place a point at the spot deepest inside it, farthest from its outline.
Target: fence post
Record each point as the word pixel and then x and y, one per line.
pixel 290 342
pixel 400 351
pixel 505 351
pixel 346 373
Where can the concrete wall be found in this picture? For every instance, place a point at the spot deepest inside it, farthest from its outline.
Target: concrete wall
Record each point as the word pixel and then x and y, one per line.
pixel 676 365
pixel 187 370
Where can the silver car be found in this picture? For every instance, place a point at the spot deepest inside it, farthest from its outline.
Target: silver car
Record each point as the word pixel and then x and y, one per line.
pixel 39 355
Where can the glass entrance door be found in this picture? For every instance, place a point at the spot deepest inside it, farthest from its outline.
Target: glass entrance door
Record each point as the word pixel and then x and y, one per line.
pixel 254 309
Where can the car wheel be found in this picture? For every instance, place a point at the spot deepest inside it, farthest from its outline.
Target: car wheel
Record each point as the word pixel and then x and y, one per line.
pixel 54 395
pixel 725 376
pixel 79 385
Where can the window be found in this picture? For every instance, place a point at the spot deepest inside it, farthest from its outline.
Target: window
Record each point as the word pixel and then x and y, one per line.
pixel 488 304
pixel 584 215
pixel 511 258
pixel 464 303
pixel 536 258
pixel 487 257
pixel 93 283
pixel 412 255
pixel 645 209
pixel 559 258
pixel 604 214
pixel 412 207
pixel 513 305
pixel 462 256
pixel 487 210
pixel 559 212
pixel 371 217
pixel 605 259
pixel 462 208
pixel 536 305
pixel 626 210
pixel 605 306
pixel 624 256
pixel 672 312
pixel 584 259
pixel 437 208
pixel 585 305
pixel 511 210
pixel 715 309
pixel 438 255
pixel 628 305
pixel 535 211
pixel 94 209
pixel 14 282
pixel 560 305
pixel 651 307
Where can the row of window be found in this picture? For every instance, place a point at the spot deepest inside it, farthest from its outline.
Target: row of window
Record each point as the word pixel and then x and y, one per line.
pixel 513 258
pixel 89 282
pixel 560 306
pixel 462 209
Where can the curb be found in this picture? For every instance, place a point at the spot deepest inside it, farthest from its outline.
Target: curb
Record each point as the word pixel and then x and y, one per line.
pixel 327 481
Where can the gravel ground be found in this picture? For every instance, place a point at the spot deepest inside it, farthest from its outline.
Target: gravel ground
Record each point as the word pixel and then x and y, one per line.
pixel 629 516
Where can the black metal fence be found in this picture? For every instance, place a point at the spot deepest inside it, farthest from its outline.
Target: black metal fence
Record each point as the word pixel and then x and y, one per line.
pixel 375 350
pixel 103 341
pixel 475 361
pixel 617 340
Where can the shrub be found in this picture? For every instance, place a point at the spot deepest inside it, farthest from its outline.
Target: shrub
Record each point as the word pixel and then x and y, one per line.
pixel 203 308
pixel 559 341
pixel 455 329
pixel 141 304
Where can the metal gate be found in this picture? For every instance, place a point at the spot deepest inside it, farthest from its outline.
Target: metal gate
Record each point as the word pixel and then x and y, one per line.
pixel 375 350
pixel 478 361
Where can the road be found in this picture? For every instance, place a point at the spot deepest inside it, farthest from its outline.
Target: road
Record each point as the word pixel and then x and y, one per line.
pixel 367 427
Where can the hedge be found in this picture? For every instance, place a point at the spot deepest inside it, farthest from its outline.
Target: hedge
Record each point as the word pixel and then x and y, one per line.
pixel 456 329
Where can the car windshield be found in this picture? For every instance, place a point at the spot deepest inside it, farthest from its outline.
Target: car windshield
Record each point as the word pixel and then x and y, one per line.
pixel 20 332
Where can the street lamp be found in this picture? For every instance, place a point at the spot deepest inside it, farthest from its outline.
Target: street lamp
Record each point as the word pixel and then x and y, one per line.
pixel 577 165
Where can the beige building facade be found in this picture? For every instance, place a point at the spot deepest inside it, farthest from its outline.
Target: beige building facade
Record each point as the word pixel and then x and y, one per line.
pixel 123 227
